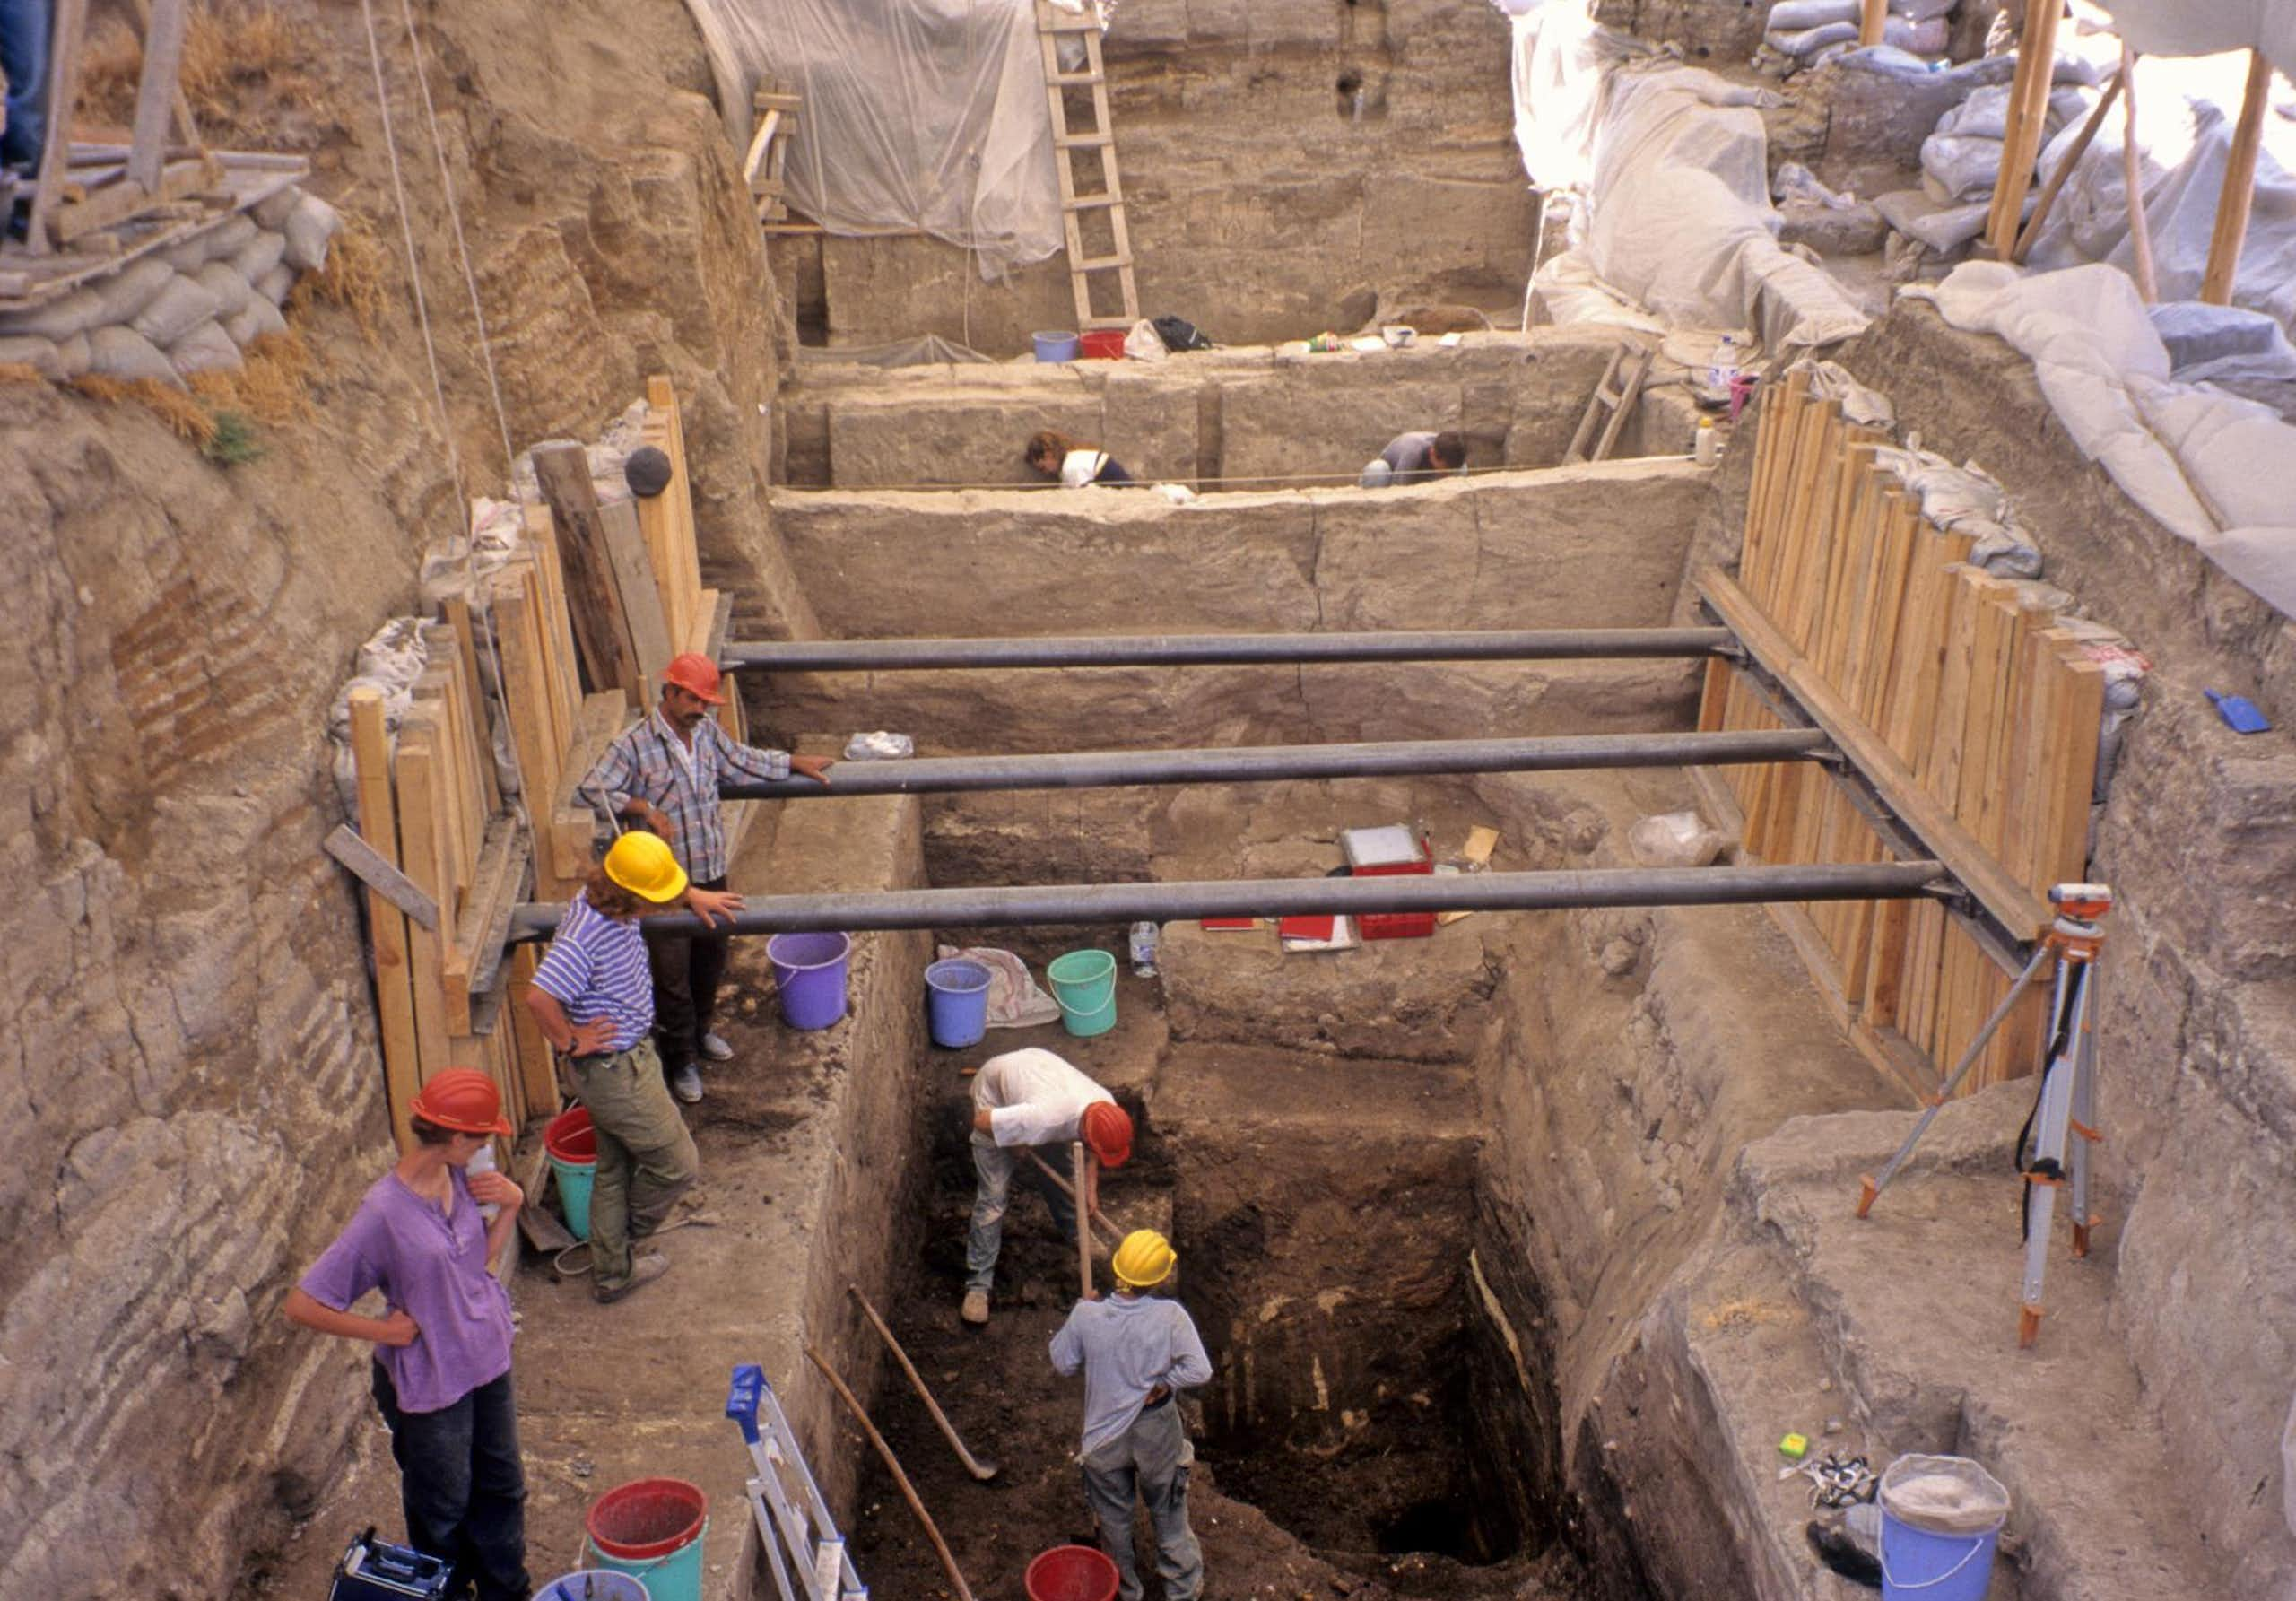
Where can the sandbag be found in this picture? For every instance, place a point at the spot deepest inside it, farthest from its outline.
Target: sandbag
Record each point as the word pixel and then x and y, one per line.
pixel 68 314
pixel 309 226
pixel 276 284
pixel 73 356
pixel 130 291
pixel 1963 167
pixel 28 349
pixel 204 349
pixel 272 210
pixel 258 255
pixel 254 321
pixel 220 279
pixel 123 353
pixel 178 308
pixel 1793 16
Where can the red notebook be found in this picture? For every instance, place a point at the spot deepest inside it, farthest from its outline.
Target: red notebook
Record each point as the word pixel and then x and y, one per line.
pixel 1306 928
pixel 1227 925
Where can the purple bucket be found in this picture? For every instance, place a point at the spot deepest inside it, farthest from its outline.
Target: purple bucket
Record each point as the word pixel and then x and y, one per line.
pixel 809 970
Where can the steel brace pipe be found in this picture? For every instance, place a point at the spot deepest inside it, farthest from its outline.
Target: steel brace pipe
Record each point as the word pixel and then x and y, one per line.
pixel 1254 764
pixel 1206 650
pixel 1289 897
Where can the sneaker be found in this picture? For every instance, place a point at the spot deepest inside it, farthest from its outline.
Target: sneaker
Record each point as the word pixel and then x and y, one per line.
pixel 975 1310
pixel 685 1083
pixel 715 1048
pixel 643 1270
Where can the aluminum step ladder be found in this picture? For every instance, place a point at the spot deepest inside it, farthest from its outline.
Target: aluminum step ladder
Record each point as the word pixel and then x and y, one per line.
pixel 792 1522
pixel 1054 24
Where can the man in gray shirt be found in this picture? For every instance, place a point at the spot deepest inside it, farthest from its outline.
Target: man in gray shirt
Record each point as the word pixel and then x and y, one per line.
pixel 1137 1352
pixel 1415 458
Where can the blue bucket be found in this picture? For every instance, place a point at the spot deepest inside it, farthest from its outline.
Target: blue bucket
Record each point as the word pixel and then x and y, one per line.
pixel 1057 347
pixel 1085 984
pixel 956 1002
pixel 809 970
pixel 1941 1520
pixel 594 1584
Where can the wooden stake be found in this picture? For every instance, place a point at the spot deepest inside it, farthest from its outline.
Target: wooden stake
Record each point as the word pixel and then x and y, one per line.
pixel 68 22
pixel 2027 114
pixel 1081 1198
pixel 1872 22
pixel 2132 170
pixel 975 1465
pixel 2065 167
pixel 155 92
pixel 2240 185
pixel 893 1466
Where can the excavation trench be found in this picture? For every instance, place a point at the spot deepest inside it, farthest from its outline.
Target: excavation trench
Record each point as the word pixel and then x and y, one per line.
pixel 1381 1417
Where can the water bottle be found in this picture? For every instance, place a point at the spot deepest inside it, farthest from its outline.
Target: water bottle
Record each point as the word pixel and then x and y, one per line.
pixel 483 1162
pixel 1142 944
pixel 1724 366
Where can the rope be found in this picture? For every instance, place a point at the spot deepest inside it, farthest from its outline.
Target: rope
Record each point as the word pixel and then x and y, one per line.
pixel 413 267
pixel 462 249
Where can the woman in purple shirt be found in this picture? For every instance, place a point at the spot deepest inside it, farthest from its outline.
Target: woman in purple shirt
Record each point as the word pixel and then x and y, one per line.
pixel 443 1346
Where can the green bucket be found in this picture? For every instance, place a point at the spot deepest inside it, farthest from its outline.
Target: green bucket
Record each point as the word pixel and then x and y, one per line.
pixel 1085 984
pixel 572 1146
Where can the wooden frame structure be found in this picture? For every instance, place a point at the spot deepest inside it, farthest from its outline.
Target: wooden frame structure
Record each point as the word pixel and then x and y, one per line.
pixel 1054 24
pixel 1954 698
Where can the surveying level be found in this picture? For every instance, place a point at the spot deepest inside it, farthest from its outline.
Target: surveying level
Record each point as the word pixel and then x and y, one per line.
pixel 2066 1106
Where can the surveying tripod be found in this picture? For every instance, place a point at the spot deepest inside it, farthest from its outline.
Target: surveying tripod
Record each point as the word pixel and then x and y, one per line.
pixel 2067 1103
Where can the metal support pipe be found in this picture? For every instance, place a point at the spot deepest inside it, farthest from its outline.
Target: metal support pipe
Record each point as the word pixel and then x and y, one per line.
pixel 1206 650
pixel 1288 897
pixel 1255 765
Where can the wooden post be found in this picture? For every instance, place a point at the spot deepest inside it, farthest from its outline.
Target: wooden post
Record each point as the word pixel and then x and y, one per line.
pixel 1872 22
pixel 2065 167
pixel 2027 114
pixel 155 92
pixel 2131 172
pixel 592 600
pixel 70 22
pixel 1083 1197
pixel 386 923
pixel 187 129
pixel 2240 185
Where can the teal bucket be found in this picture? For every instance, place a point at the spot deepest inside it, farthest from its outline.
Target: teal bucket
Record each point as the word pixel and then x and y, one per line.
pixel 652 1529
pixel 1941 1518
pixel 572 1146
pixel 1085 984
pixel 594 1584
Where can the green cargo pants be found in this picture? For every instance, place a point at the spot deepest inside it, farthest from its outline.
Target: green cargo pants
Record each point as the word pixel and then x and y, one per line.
pixel 646 1157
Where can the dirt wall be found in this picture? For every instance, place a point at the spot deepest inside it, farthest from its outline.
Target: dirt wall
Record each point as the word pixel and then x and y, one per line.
pixel 196 1103
pixel 1263 203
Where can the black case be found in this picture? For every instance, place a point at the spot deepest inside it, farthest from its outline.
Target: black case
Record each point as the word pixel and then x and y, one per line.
pixel 372 1570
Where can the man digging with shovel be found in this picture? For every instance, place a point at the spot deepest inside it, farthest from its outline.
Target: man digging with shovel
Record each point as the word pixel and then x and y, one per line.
pixel 1026 1098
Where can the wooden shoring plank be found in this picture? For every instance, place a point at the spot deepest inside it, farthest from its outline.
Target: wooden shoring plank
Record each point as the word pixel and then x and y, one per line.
pixel 655 520
pixel 593 599
pixel 536 1063
pixel 1877 652
pixel 429 696
pixel 1808 504
pixel 525 698
pixel 1849 557
pixel 2077 711
pixel 187 129
pixel 1781 432
pixel 386 926
pixel 1972 994
pixel 2028 777
pixel 417 768
pixel 572 822
pixel 1713 697
pixel 2239 195
pixel 458 618
pixel 474 959
pixel 641 599
pixel 557 624
pixel 156 91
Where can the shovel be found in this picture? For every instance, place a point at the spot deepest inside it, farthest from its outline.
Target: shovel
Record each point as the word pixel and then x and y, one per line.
pixel 982 1470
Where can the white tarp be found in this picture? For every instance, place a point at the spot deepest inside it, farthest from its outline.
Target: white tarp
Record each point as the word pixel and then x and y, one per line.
pixel 919 114
pixel 1670 160
pixel 2194 457
pixel 2203 27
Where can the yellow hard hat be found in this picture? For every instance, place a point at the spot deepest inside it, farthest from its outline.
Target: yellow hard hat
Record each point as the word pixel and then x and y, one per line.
pixel 643 864
pixel 1144 1259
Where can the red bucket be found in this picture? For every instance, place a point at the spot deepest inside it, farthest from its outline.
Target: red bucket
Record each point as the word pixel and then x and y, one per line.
pixel 646 1517
pixel 1102 344
pixel 569 1137
pixel 1070 1573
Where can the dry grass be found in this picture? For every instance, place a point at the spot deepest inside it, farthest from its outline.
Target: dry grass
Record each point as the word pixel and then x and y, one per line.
pixel 191 420
pixel 356 277
pixel 270 386
pixel 245 65
pixel 20 372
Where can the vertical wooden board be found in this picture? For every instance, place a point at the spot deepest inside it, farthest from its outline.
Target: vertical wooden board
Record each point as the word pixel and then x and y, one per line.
pixel 1812 534
pixel 1885 963
pixel 1991 670
pixel 1941 769
pixel 1868 629
pixel 654 521
pixel 458 618
pixel 2027 778
pixel 557 626
pixel 1777 418
pixel 595 602
pixel 1852 557
pixel 1813 450
pixel 536 1063
pixel 2078 711
pixel 416 768
pixel 471 758
pixel 1878 652
pixel 446 821
pixel 642 600
pixel 386 926
pixel 524 697
pixel 1713 700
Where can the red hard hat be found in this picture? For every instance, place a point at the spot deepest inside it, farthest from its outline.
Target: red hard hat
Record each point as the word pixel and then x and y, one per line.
pixel 1108 1130
pixel 462 1099
pixel 696 673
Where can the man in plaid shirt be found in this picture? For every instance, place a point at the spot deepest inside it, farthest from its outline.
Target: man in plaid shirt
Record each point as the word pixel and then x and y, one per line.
pixel 662 775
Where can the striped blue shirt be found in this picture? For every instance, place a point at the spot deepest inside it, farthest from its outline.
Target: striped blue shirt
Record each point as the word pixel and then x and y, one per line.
pixel 596 967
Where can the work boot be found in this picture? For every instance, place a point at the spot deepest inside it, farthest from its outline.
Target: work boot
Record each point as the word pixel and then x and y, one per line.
pixel 643 1270
pixel 715 1048
pixel 685 1083
pixel 975 1310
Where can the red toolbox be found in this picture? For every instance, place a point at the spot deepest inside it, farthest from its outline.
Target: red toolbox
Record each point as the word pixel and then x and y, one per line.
pixel 1383 852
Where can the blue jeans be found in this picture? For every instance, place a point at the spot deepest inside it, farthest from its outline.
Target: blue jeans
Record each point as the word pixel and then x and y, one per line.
pixel 995 1165
pixel 463 1487
pixel 1150 1460
pixel 25 26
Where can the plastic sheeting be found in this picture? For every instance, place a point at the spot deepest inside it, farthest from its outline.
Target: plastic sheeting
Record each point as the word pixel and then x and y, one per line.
pixel 2203 27
pixel 1677 221
pixel 919 114
pixel 2188 454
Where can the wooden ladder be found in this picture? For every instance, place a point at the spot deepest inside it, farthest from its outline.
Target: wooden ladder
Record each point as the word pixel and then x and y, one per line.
pixel 1052 25
pixel 766 166
pixel 1616 400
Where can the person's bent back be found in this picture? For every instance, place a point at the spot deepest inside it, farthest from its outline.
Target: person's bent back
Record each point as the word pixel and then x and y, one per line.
pixel 1415 458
